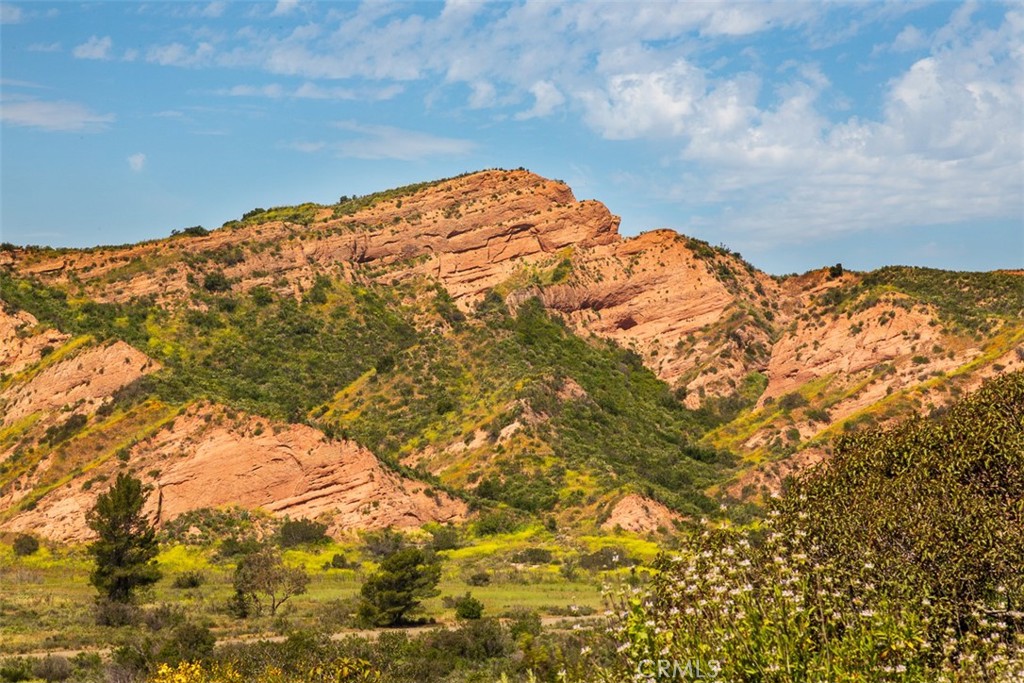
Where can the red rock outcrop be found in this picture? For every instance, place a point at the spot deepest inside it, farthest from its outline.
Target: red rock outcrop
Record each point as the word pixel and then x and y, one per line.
pixel 21 344
pixel 78 383
pixel 641 515
pixel 208 459
pixel 701 318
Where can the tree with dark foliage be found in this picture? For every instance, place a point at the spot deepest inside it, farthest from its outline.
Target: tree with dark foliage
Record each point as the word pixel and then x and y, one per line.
pixel 126 543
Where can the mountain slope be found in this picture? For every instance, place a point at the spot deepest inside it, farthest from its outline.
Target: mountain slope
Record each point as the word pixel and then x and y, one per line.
pixel 487 335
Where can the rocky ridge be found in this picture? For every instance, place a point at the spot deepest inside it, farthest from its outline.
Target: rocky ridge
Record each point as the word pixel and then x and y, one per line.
pixel 786 361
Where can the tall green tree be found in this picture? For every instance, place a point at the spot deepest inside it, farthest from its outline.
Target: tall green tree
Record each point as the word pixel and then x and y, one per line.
pixel 126 543
pixel 395 590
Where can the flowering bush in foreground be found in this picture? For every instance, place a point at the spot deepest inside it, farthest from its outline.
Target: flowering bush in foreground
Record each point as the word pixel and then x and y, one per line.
pixel 742 613
pixel 902 560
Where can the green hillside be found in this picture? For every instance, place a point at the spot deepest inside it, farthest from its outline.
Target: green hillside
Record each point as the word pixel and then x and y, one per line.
pixel 399 368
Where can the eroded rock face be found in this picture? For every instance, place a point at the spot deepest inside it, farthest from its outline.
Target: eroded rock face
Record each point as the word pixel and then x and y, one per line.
pixel 698 316
pixel 78 383
pixel 640 515
pixel 21 344
pixel 472 234
pixel 206 459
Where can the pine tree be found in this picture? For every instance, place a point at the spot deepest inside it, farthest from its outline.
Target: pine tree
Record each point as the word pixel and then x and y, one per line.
pixel 126 545
pixel 403 579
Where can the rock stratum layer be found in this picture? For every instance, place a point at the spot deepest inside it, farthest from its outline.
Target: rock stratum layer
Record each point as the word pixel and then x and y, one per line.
pixel 782 364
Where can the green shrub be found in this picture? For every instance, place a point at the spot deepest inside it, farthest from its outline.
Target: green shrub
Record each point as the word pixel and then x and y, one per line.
pixel 384 542
pixel 605 559
pixel 216 281
pixel 479 579
pixel 25 544
pixel 497 522
pixel 532 556
pixel 189 579
pixel 792 401
pixel 300 532
pixel 468 607
pixel 189 642
pixel 522 620
pixel 14 669
pixel 338 561
pixel 444 537
pixel 899 561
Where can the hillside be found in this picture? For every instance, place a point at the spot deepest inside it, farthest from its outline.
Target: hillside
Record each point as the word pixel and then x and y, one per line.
pixel 480 343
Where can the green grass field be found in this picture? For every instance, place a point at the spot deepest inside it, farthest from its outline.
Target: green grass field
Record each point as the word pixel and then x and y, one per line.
pixel 47 603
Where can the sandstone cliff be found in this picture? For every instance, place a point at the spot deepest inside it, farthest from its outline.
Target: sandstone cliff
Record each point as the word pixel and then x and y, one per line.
pixel 785 363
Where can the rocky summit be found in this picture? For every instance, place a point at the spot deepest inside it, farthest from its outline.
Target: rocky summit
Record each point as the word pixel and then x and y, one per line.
pixel 436 351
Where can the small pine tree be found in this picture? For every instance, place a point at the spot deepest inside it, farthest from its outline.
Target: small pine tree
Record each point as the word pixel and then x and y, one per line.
pixel 126 545
pixel 396 588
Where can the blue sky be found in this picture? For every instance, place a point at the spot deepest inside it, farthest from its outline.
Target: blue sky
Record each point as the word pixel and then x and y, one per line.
pixel 798 133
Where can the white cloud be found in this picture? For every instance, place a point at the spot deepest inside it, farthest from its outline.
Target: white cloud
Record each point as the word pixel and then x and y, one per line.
pixel 44 47
pixel 14 83
pixel 387 142
pixel 655 103
pixel 774 150
pixel 306 147
pixel 136 162
pixel 547 99
pixel 94 48
pixel 214 9
pixel 52 115
pixel 483 95
pixel 910 38
pixel 10 14
pixel 284 7
pixel 947 148
pixel 313 91
pixel 272 90
pixel 177 54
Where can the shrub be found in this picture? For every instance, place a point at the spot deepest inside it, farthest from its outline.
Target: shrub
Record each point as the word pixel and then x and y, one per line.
pixel 444 537
pixel 338 561
pixel 532 556
pixel 475 640
pixel 14 669
pixel 189 579
pixel 301 531
pixel 52 668
pixel 384 542
pixel 497 522
pixel 899 561
pixel 113 613
pixel 522 620
pixel 479 579
pixel 189 642
pixel 216 281
pixel 468 607
pixel 25 544
pixel 792 401
pixel 606 558
pixel 235 547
